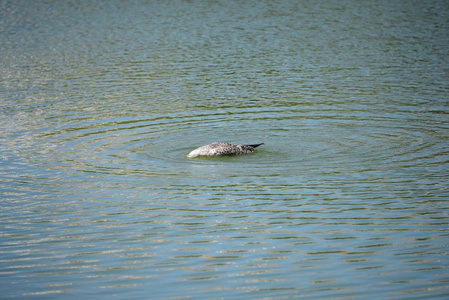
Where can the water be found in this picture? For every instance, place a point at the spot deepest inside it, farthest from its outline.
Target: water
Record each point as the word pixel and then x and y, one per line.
pixel 102 101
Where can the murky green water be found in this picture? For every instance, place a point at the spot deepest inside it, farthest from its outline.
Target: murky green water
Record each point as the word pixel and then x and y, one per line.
pixel 101 101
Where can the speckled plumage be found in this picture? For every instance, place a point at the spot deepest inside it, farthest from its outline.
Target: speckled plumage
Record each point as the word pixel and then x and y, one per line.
pixel 221 148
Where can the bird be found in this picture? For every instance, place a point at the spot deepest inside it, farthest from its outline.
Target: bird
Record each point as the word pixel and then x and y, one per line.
pixel 221 149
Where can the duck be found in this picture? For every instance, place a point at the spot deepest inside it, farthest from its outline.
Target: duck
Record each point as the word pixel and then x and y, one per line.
pixel 221 149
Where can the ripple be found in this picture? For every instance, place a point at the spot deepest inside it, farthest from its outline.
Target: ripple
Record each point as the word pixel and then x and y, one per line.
pixel 295 137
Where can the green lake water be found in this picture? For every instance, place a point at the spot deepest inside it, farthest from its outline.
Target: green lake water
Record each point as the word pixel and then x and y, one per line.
pixel 101 101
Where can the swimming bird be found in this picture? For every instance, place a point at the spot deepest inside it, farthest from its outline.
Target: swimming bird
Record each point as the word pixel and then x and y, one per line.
pixel 221 148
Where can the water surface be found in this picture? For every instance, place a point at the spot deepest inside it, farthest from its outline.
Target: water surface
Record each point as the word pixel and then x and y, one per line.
pixel 100 102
